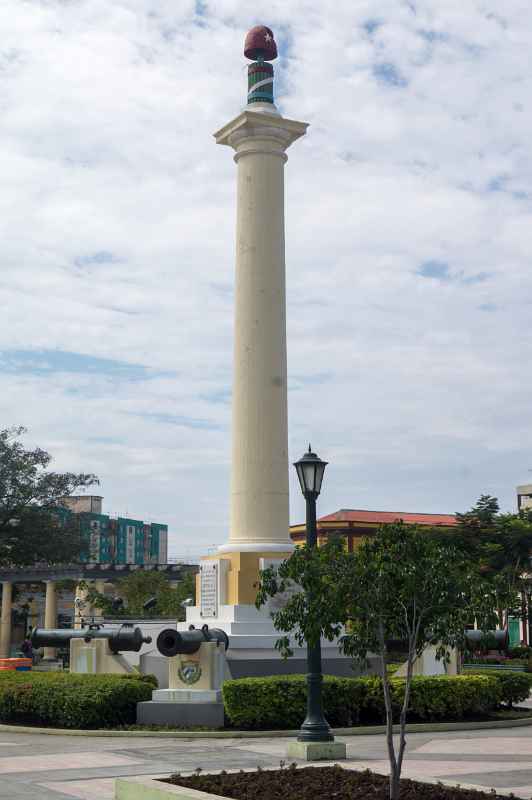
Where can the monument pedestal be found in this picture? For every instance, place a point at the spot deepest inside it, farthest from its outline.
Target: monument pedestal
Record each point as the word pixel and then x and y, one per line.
pixel 193 696
pixel 227 588
pixel 181 715
pixel 96 658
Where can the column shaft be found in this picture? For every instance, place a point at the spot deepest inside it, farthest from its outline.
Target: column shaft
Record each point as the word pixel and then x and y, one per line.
pixel 99 585
pixel 259 466
pixel 259 481
pixel 82 608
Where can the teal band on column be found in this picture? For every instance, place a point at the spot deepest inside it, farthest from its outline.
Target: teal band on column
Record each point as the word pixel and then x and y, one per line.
pixel 260 82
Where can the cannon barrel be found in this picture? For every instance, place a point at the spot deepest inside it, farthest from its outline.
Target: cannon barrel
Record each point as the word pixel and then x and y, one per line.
pixel 121 638
pixel 479 638
pixel 172 643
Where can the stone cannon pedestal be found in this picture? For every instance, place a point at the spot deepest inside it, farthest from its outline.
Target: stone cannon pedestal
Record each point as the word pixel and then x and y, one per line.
pixel 194 694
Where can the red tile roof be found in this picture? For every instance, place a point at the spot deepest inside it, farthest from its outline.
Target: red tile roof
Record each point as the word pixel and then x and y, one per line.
pixel 379 517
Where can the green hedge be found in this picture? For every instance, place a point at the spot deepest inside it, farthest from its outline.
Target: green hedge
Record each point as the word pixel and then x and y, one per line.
pixel 280 702
pixel 64 700
pixel 514 686
pixel 519 652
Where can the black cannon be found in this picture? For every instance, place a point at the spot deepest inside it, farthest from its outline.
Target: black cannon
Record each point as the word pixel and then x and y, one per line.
pixel 173 643
pixel 120 637
pixel 492 640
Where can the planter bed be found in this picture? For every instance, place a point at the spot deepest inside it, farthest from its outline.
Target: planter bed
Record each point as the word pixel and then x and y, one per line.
pixel 291 783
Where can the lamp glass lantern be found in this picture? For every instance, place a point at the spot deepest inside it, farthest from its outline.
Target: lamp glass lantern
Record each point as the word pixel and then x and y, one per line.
pixel 310 470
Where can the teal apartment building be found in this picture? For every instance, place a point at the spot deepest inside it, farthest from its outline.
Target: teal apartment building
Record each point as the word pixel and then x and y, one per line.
pixel 120 540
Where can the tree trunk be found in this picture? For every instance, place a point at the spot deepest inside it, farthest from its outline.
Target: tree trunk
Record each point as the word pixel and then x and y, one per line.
pixel 395 785
pixel 404 710
pixel 394 777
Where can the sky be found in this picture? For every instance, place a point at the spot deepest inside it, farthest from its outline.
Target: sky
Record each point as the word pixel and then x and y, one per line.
pixel 408 246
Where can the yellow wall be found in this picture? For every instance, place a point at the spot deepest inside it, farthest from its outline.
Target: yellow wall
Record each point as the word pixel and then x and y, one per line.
pixel 242 576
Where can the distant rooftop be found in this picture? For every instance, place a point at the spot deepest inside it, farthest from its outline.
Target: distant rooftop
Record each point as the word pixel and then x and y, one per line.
pixel 79 503
pixel 380 517
pixel 93 504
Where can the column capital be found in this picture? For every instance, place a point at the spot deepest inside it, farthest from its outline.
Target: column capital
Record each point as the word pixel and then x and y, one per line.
pixel 253 132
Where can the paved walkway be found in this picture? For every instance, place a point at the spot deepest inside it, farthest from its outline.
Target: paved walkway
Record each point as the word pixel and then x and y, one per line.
pixel 62 767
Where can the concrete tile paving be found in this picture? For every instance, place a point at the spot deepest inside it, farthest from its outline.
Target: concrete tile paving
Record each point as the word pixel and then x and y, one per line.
pixel 96 789
pixel 49 762
pixel 484 746
pixel 84 768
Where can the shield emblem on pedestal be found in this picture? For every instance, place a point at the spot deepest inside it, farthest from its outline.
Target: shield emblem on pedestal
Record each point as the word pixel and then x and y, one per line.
pixel 189 672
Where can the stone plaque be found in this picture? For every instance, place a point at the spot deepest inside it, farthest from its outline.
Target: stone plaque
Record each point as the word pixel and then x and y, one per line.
pixel 279 600
pixel 209 588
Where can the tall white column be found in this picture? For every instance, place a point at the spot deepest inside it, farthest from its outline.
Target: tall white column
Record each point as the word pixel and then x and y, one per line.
pixel 259 478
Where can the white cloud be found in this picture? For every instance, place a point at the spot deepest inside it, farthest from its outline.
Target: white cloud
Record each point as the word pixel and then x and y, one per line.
pixel 417 395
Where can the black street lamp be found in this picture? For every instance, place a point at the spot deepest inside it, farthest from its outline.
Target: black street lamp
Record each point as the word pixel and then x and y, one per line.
pixel 315 728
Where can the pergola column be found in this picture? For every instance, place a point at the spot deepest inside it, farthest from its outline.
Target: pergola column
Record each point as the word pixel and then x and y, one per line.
pixel 50 617
pixel 5 619
pixel 81 612
pixel 99 586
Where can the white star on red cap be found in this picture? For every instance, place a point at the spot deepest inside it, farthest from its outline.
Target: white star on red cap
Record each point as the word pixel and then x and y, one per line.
pixel 267 37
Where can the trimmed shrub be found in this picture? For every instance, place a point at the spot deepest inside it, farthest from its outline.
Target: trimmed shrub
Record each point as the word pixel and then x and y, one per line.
pixel 280 701
pixel 515 686
pixel 137 676
pixel 520 651
pixel 64 700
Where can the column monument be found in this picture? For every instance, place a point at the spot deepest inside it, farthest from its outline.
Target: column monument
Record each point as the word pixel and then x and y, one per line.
pixel 259 526
pixel 259 534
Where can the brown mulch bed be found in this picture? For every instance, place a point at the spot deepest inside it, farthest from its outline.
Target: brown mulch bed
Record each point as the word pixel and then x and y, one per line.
pixel 314 783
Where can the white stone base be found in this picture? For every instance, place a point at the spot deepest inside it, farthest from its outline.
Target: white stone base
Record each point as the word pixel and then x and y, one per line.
pixel 252 652
pixel 186 696
pixel 317 751
pixel 251 632
pixel 257 547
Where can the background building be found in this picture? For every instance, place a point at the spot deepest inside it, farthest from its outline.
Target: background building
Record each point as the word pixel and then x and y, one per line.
pixel 524 496
pixel 354 524
pixel 116 540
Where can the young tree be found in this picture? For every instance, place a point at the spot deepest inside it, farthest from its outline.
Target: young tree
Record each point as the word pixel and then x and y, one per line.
pixel 403 585
pixel 138 587
pixel 500 546
pixel 31 530
pixel 312 608
pixel 399 585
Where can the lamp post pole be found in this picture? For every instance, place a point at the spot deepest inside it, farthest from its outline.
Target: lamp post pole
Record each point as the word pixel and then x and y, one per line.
pixel 315 728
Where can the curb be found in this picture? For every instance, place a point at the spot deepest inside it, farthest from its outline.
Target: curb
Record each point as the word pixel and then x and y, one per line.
pixel 371 730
